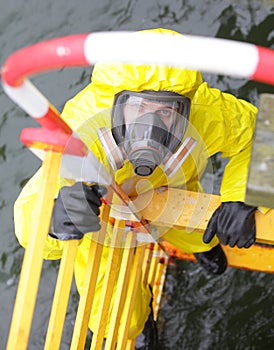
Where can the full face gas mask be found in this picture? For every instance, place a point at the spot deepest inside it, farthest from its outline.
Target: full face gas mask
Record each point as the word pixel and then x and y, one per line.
pixel 147 129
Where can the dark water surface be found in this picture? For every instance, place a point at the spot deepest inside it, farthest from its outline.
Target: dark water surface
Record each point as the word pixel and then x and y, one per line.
pixel 234 311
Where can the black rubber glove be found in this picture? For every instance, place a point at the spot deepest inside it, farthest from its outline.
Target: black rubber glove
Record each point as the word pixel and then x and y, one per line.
pixel 76 211
pixel 234 224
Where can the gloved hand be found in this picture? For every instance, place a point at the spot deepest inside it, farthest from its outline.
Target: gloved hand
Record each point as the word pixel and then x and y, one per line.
pixel 76 211
pixel 234 224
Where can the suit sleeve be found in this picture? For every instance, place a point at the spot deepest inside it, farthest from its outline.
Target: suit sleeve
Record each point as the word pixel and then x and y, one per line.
pixel 226 125
pixel 24 217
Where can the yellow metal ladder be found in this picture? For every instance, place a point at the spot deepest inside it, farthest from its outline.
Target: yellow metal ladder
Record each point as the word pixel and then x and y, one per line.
pixel 141 263
pixel 127 266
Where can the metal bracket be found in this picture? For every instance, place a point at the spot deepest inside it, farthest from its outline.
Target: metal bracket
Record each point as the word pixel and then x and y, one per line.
pixel 260 184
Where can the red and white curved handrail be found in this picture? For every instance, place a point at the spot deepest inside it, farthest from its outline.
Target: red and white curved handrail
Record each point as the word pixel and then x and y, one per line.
pixel 210 55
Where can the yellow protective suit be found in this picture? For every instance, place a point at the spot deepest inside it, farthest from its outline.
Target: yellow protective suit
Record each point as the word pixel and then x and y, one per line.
pixel 219 121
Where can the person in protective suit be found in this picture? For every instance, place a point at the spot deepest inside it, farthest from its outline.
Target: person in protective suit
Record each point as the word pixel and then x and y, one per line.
pixel 151 111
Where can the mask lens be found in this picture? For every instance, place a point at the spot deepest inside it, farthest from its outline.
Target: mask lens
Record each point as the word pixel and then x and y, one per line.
pixel 136 107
